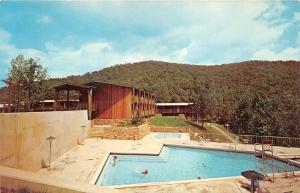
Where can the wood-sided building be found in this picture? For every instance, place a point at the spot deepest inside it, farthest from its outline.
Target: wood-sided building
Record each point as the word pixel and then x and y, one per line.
pixel 174 109
pixel 112 101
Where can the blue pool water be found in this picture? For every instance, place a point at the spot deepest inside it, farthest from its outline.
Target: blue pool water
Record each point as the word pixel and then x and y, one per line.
pixel 167 135
pixel 176 163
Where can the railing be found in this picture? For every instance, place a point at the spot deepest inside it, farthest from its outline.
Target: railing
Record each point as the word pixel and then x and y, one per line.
pixel 72 106
pixel 60 106
pixel 245 139
pixel 277 141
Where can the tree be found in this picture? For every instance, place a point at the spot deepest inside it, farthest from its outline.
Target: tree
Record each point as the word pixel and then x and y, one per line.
pixel 31 78
pixel 257 115
pixel 202 101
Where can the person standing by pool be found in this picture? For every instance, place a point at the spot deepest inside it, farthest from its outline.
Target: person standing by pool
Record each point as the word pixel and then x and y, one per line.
pixel 114 160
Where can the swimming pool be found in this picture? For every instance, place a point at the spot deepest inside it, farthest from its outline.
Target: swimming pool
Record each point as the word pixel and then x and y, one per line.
pixel 167 135
pixel 174 164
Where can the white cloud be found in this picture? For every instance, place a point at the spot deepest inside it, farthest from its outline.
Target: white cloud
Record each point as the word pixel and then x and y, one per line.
pixel 44 19
pixel 286 54
pixel 296 16
pixel 181 53
pixel 89 56
pixel 298 38
pixel 211 32
pixel 4 36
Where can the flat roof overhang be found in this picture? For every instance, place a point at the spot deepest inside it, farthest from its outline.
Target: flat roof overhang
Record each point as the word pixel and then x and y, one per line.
pixel 75 87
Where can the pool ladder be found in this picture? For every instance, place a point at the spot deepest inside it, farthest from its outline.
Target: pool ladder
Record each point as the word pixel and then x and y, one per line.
pixel 286 171
pixel 264 157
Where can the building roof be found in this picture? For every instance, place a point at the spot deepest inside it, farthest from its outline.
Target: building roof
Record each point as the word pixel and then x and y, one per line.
pixel 97 83
pixel 89 85
pixel 173 104
pixel 69 86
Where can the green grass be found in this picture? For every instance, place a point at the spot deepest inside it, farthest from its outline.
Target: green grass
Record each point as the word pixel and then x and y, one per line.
pixel 169 121
pixel 173 121
pixel 216 134
pixel 222 127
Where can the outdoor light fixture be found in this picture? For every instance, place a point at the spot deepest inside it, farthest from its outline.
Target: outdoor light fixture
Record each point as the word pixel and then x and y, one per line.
pixel 227 126
pixel 83 126
pixel 50 139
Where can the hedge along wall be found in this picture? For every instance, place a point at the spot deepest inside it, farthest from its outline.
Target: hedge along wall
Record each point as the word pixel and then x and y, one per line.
pixel 23 143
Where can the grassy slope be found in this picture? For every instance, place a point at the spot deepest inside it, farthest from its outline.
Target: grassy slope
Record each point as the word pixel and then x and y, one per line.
pixel 170 121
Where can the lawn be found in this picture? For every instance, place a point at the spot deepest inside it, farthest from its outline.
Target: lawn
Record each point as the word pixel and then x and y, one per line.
pixel 173 121
pixel 214 134
pixel 169 121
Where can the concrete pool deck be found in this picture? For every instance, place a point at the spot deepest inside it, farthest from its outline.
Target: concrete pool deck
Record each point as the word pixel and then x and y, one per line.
pixel 84 162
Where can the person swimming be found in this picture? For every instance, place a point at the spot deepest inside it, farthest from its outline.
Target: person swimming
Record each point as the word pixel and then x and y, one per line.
pixel 199 177
pixel 114 160
pixel 145 172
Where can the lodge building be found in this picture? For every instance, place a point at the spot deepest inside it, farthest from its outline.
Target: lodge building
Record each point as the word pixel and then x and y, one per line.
pixel 174 109
pixel 109 101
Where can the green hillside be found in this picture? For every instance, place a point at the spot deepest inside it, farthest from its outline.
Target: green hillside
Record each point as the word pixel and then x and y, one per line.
pixel 275 82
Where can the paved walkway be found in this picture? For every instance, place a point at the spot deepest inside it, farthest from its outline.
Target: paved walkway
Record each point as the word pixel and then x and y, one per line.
pixel 281 185
pixel 84 162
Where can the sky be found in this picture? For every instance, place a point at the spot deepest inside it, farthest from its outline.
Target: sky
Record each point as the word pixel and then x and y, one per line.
pixel 72 38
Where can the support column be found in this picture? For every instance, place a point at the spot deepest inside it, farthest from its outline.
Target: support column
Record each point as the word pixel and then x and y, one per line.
pixel 133 103
pixel 56 100
pixel 139 102
pixel 90 103
pixel 9 97
pixel 68 99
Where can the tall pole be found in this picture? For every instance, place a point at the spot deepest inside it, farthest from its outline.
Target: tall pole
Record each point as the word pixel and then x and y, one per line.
pixel 90 103
pixel 227 125
pixel 9 97
pixel 68 99
pixel 50 154
pixel 50 139
pixel 83 126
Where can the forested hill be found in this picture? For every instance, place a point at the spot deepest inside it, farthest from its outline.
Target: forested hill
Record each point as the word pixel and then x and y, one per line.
pixel 255 97
pixel 175 82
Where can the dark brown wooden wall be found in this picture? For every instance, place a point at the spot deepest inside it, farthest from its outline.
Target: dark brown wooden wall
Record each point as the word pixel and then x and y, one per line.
pixel 173 110
pixel 112 102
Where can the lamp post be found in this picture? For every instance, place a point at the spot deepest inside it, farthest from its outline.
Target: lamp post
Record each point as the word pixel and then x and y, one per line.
pixel 256 135
pixel 227 125
pixel 82 127
pixel 50 139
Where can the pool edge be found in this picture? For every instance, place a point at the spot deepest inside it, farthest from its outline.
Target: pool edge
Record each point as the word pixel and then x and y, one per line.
pixel 101 166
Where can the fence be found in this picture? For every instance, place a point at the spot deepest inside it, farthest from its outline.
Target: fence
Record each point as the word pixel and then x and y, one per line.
pixel 46 106
pixel 277 141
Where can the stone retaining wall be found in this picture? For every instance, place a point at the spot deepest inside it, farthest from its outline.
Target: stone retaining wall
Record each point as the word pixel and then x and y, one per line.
pixel 123 133
pixel 107 121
